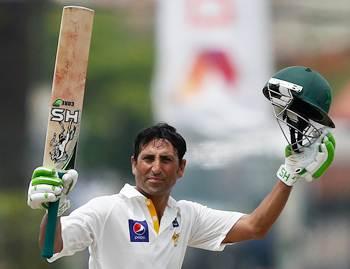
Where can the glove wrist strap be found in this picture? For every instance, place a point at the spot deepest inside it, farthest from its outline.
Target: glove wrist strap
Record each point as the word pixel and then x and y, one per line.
pixel 286 176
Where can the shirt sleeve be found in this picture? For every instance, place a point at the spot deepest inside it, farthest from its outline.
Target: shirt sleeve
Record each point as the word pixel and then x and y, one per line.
pixel 82 227
pixel 210 226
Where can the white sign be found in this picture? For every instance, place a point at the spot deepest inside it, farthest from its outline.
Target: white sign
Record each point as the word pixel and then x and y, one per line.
pixel 213 59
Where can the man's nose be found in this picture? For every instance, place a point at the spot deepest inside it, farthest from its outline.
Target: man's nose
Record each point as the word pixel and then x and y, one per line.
pixel 156 168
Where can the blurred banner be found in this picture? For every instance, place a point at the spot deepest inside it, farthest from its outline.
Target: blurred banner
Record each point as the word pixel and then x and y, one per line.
pixel 213 58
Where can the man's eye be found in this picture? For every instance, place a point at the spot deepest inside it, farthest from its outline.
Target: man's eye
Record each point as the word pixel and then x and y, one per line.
pixel 166 160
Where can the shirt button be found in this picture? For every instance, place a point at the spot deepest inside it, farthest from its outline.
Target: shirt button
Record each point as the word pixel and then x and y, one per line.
pixel 155 218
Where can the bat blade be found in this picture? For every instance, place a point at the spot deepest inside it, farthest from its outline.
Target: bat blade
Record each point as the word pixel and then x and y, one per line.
pixel 66 101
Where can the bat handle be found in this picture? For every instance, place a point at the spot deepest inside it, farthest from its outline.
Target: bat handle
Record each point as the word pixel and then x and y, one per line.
pixel 48 249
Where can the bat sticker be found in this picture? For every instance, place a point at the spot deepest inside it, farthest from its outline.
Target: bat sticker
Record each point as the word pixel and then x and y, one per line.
pixel 59 143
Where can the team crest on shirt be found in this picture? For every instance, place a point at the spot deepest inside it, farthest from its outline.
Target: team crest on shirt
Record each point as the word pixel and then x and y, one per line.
pixel 138 231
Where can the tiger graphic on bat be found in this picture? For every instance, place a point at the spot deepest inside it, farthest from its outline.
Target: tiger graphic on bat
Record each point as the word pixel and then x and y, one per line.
pixel 60 141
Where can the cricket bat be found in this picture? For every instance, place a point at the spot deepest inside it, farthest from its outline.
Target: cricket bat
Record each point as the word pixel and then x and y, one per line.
pixel 66 103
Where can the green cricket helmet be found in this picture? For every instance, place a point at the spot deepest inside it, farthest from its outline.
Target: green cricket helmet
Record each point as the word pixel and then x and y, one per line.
pixel 301 99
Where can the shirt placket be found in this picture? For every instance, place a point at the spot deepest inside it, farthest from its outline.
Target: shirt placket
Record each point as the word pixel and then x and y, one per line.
pixel 154 216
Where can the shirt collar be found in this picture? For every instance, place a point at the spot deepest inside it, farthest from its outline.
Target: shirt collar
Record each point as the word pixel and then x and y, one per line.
pixel 131 192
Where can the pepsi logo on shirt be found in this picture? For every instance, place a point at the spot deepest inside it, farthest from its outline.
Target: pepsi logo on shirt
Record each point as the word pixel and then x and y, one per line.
pixel 138 231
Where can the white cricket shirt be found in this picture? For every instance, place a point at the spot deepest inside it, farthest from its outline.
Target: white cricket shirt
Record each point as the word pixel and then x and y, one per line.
pixel 122 231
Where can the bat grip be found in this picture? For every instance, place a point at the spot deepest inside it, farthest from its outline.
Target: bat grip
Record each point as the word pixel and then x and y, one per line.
pixel 48 248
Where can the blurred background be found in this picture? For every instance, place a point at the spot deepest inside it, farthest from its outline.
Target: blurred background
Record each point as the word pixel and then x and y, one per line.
pixel 199 65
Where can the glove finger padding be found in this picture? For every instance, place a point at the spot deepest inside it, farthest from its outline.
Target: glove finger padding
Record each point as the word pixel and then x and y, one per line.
pixel 43 175
pixel 323 159
pixel 45 187
pixel 40 195
pixel 37 200
pixel 48 185
pixel 329 137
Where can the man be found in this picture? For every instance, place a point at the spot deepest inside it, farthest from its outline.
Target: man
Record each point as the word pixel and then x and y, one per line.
pixel 143 226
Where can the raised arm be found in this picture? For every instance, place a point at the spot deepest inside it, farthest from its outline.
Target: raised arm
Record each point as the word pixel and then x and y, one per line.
pixel 307 165
pixel 258 223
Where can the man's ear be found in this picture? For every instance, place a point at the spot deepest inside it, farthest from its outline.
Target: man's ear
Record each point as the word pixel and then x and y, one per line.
pixel 133 163
pixel 181 170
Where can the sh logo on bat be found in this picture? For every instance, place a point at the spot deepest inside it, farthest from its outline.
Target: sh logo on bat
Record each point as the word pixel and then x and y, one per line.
pixel 60 114
pixel 60 140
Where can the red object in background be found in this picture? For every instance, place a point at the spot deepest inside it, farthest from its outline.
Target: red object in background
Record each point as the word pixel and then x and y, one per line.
pixel 340 107
pixel 213 61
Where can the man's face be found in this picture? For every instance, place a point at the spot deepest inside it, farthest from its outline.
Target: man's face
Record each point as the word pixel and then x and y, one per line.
pixel 157 168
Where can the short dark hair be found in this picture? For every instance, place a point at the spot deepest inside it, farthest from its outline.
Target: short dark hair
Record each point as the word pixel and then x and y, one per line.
pixel 161 130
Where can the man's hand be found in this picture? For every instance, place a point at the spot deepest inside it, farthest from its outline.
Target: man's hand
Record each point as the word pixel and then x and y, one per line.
pixel 48 185
pixel 309 164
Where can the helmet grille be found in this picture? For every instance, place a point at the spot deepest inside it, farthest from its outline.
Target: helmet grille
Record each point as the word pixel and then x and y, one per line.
pixel 296 119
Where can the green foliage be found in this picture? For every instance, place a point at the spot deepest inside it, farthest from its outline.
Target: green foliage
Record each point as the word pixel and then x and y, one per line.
pixel 19 233
pixel 117 97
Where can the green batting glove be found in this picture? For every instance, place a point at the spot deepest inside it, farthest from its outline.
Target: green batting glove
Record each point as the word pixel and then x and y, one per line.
pixel 310 164
pixel 48 185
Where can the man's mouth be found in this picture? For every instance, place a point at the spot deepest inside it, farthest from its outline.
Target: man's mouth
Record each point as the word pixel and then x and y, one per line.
pixel 154 179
